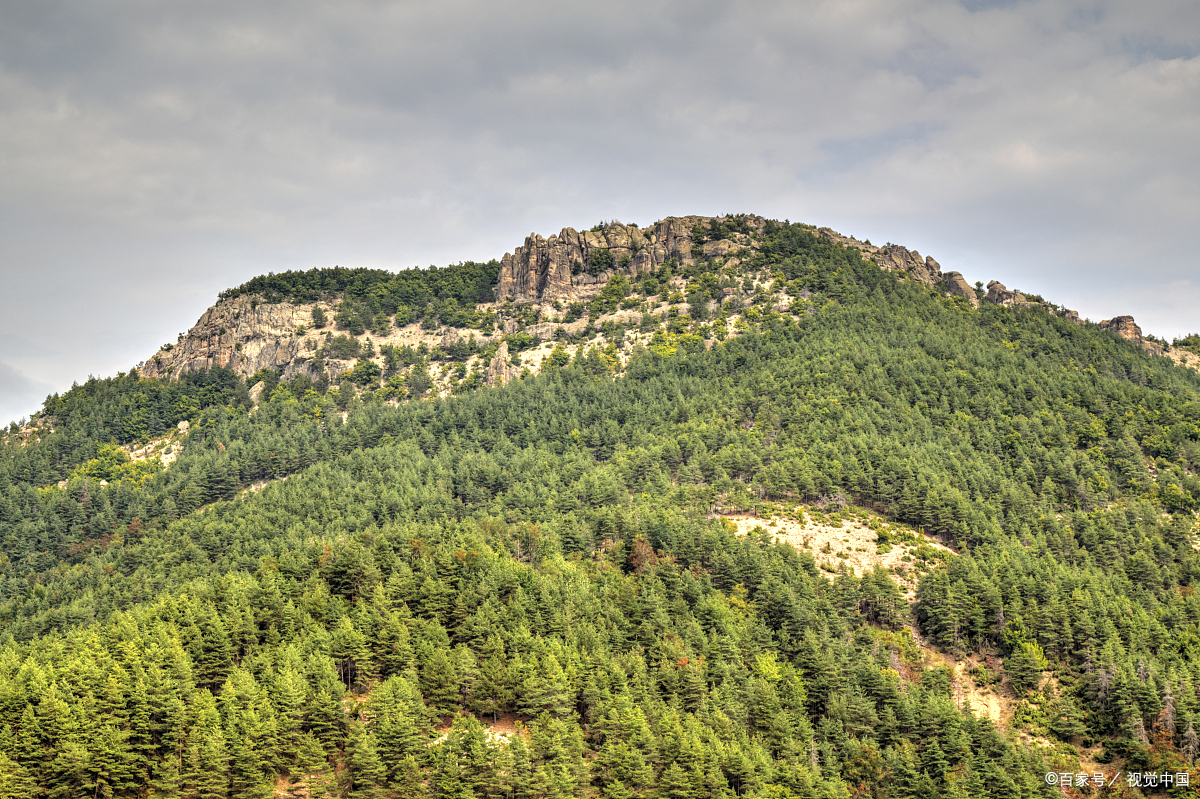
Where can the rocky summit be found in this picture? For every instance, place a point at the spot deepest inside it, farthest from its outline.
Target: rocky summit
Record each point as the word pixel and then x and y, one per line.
pixel 547 289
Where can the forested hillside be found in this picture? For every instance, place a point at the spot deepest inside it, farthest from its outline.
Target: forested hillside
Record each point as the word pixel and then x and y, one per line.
pixel 530 591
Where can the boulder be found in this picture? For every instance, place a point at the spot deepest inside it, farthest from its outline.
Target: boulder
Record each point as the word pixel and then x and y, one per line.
pixel 998 294
pixel 957 286
pixel 256 391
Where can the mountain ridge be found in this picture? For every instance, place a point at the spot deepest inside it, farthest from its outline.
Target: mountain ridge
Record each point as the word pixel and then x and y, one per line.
pixel 244 332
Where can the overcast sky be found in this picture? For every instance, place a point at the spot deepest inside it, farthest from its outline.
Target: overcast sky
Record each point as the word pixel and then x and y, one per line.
pixel 154 152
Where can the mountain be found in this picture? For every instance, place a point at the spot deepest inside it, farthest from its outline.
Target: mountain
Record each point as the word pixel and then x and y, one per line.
pixel 559 288
pixel 715 507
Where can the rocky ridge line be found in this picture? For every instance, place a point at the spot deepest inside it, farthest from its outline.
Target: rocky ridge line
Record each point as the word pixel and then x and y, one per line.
pixel 548 269
pixel 247 335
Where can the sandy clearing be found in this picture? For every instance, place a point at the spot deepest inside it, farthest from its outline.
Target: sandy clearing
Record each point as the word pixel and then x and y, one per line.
pixel 854 543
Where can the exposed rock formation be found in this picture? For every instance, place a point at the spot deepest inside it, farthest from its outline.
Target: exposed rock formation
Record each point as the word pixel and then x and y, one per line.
pixel 546 269
pixel 957 286
pixel 832 236
pixel 891 257
pixel 1126 328
pixel 900 259
pixel 240 334
pixel 1123 326
pixel 999 294
pixel 500 371
pixel 246 335
pixel 256 391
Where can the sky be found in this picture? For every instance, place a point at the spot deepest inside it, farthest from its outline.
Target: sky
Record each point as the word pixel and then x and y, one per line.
pixel 155 152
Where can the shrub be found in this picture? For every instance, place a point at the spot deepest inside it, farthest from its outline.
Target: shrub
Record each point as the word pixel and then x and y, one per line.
pixel 364 373
pixel 600 260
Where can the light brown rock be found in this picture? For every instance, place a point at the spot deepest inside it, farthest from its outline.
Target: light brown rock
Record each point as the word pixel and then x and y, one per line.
pixel 957 286
pixel 901 259
pixel 998 294
pixel 265 332
pixel 547 269
pixel 256 391
pixel 500 371
pixel 1126 328
pixel 891 257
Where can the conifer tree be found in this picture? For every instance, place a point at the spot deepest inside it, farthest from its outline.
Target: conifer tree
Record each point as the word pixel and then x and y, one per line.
pixel 366 771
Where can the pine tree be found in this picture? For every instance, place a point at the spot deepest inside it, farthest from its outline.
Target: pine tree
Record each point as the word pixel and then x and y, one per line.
pixel 216 660
pixel 394 650
pixel 493 693
pixel 325 720
pixel 366 769
pixel 520 778
pixel 207 756
pixel 439 683
pixel 311 775
pixel 546 690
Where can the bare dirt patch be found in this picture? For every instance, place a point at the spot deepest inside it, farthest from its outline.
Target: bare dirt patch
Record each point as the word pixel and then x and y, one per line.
pixel 852 539
pixel 983 702
pixel 165 448
pixel 499 731
pixel 1184 358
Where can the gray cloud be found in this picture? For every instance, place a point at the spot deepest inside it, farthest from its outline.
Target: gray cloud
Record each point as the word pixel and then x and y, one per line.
pixel 156 153
pixel 19 396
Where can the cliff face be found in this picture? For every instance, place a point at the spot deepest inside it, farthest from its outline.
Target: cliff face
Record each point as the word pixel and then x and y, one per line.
pixel 547 269
pixel 1126 328
pixel 240 334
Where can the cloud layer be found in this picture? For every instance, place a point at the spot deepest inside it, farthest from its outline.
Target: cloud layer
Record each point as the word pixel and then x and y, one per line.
pixel 155 153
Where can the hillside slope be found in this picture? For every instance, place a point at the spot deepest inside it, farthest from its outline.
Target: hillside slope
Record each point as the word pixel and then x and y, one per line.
pixel 547 587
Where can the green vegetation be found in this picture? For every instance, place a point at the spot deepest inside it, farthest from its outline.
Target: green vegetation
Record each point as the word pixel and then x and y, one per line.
pixel 447 296
pixel 1190 343
pixel 546 553
pixel 600 260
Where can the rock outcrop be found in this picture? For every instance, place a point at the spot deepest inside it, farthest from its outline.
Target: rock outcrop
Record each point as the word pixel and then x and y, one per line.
pixel 957 286
pixel 891 257
pixel 256 391
pixel 556 268
pixel 246 334
pixel 500 371
pixel 240 334
pixel 895 258
pixel 1126 328
pixel 998 294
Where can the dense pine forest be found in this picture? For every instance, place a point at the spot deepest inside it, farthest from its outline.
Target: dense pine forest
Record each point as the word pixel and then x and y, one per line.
pixel 533 590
